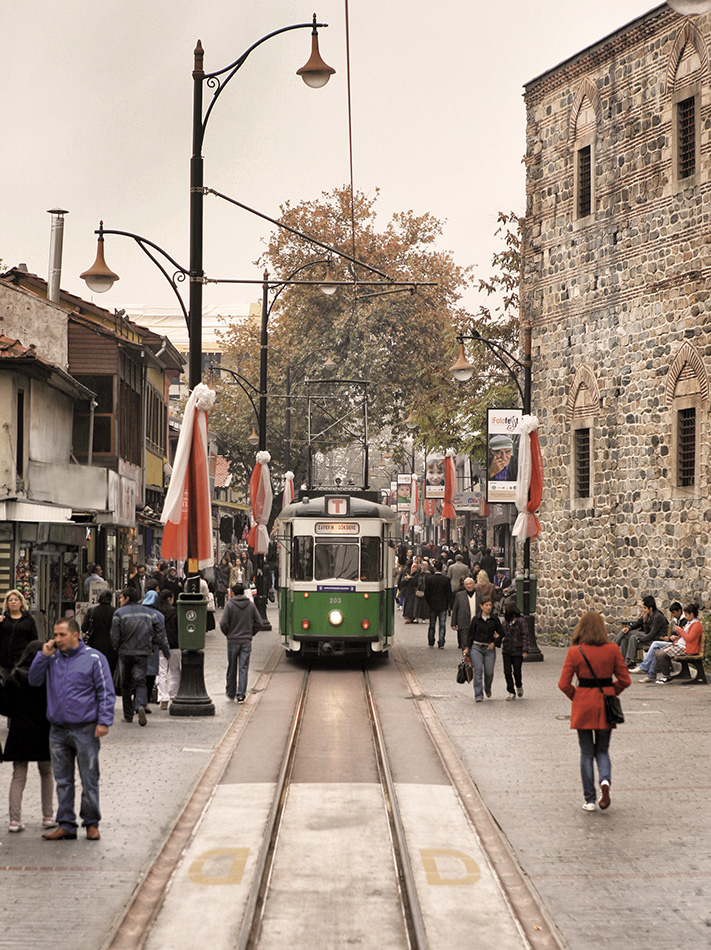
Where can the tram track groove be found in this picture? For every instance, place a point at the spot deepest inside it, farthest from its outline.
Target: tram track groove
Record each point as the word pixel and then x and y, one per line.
pixel 254 911
pixel 526 907
pixel 132 929
pixel 412 911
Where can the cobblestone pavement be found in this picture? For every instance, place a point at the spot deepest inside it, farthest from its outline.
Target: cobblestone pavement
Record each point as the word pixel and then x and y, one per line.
pixel 636 876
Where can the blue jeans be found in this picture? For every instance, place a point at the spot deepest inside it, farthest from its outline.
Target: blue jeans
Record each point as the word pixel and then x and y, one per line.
pixel 238 654
pixel 483 661
pixel 67 745
pixel 594 745
pixel 649 663
pixel 442 614
pixel 133 684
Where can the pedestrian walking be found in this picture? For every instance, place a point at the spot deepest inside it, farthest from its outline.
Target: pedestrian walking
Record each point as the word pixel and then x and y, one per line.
pixel 222 580
pixel 169 667
pixel 240 621
pixel 96 627
pixel 135 632
pixel 80 708
pixel 463 611
pixel 437 591
pixel 27 738
pixel 485 634
pixel 514 649
pixel 17 629
pixel 590 645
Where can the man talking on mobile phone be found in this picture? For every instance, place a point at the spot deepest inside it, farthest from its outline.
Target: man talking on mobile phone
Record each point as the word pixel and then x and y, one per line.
pixel 80 709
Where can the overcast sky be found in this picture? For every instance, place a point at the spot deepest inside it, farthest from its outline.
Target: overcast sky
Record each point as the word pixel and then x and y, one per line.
pixel 96 112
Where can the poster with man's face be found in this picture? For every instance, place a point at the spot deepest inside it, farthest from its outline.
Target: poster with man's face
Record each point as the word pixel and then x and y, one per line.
pixel 502 438
pixel 434 475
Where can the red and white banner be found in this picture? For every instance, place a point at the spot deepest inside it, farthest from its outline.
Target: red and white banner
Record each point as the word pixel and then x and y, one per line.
pixel 261 496
pixel 414 501
pixel 288 493
pixel 187 512
pixel 450 477
pixel 529 488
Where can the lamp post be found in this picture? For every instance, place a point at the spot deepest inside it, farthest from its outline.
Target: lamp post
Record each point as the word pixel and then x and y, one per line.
pixel 462 371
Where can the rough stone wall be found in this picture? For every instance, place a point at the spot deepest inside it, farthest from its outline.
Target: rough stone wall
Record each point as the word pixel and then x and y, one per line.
pixel 612 299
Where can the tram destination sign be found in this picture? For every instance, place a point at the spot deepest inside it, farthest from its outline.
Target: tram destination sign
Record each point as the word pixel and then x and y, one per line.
pixel 337 527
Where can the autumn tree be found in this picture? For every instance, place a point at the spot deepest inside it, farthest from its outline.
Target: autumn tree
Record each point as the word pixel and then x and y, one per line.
pixel 401 343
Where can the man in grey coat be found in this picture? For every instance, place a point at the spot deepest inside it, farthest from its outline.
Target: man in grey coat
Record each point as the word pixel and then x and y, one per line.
pixel 240 621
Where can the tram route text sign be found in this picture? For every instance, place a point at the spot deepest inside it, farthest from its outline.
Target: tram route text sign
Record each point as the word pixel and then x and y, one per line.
pixel 337 527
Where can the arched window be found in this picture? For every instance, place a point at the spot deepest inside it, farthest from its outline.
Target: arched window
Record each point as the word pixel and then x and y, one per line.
pixel 583 407
pixel 687 392
pixel 687 65
pixel 583 125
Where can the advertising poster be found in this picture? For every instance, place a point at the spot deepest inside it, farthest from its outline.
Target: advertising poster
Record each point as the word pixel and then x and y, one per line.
pixel 392 498
pixel 434 475
pixel 502 438
pixel 404 483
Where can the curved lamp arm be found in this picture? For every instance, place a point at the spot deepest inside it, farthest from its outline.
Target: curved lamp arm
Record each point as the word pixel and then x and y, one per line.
pixel 243 383
pixel 213 79
pixel 499 352
pixel 145 244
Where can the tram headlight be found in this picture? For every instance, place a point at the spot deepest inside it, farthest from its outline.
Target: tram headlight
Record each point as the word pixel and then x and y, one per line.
pixel 366 595
pixel 306 624
pixel 365 624
pixel 335 618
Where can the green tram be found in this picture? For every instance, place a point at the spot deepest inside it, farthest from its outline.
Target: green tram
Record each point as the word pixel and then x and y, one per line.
pixel 336 571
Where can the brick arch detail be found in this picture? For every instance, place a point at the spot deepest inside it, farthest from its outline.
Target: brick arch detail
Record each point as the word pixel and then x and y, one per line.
pixel 588 89
pixel 688 33
pixel 584 376
pixel 687 355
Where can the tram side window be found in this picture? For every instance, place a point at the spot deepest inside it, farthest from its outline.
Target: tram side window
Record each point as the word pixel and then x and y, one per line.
pixel 371 566
pixel 336 560
pixel 302 558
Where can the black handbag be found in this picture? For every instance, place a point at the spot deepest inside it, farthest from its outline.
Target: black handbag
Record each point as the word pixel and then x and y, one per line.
pixel 613 706
pixel 465 673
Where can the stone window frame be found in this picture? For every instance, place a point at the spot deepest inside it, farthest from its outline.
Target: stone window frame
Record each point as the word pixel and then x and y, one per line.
pixel 690 91
pixel 586 90
pixel 698 399
pixel 583 418
pixel 582 501
pixel 695 401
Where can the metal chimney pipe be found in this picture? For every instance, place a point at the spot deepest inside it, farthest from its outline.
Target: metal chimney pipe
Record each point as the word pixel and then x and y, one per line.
pixel 55 254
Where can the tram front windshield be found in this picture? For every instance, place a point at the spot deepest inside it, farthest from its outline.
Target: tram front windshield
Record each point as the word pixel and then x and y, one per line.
pixel 336 559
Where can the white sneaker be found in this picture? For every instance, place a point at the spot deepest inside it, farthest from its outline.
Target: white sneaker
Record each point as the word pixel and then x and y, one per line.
pixel 637 669
pixel 589 806
pixel 662 680
pixel 510 696
pixel 647 679
pixel 48 822
pixel 16 826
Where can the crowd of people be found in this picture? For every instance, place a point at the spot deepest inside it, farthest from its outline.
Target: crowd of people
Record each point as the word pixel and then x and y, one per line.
pixel 59 695
pixel 468 588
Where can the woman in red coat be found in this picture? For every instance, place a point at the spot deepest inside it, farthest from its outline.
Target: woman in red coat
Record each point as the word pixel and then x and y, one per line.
pixel 588 712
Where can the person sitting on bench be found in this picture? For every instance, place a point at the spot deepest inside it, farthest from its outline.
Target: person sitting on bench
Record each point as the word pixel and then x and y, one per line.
pixel 687 640
pixel 652 626
pixel 648 666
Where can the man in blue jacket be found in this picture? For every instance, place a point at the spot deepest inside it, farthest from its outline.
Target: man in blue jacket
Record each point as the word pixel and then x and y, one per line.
pixel 80 708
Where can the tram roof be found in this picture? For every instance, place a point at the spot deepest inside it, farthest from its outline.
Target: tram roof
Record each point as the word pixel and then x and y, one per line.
pixel 316 508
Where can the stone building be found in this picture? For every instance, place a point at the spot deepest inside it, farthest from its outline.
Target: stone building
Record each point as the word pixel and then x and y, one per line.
pixel 616 277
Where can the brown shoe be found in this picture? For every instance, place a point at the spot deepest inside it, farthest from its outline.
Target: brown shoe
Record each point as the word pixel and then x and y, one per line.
pixel 92 832
pixel 604 795
pixel 60 834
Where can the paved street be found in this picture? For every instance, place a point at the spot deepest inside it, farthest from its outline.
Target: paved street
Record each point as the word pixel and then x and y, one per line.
pixel 629 878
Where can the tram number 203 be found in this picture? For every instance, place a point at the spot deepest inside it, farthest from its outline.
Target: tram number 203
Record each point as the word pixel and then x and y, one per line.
pixel 334 600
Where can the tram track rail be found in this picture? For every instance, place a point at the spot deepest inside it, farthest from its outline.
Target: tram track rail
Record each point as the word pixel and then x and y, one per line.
pixel 526 907
pixel 410 905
